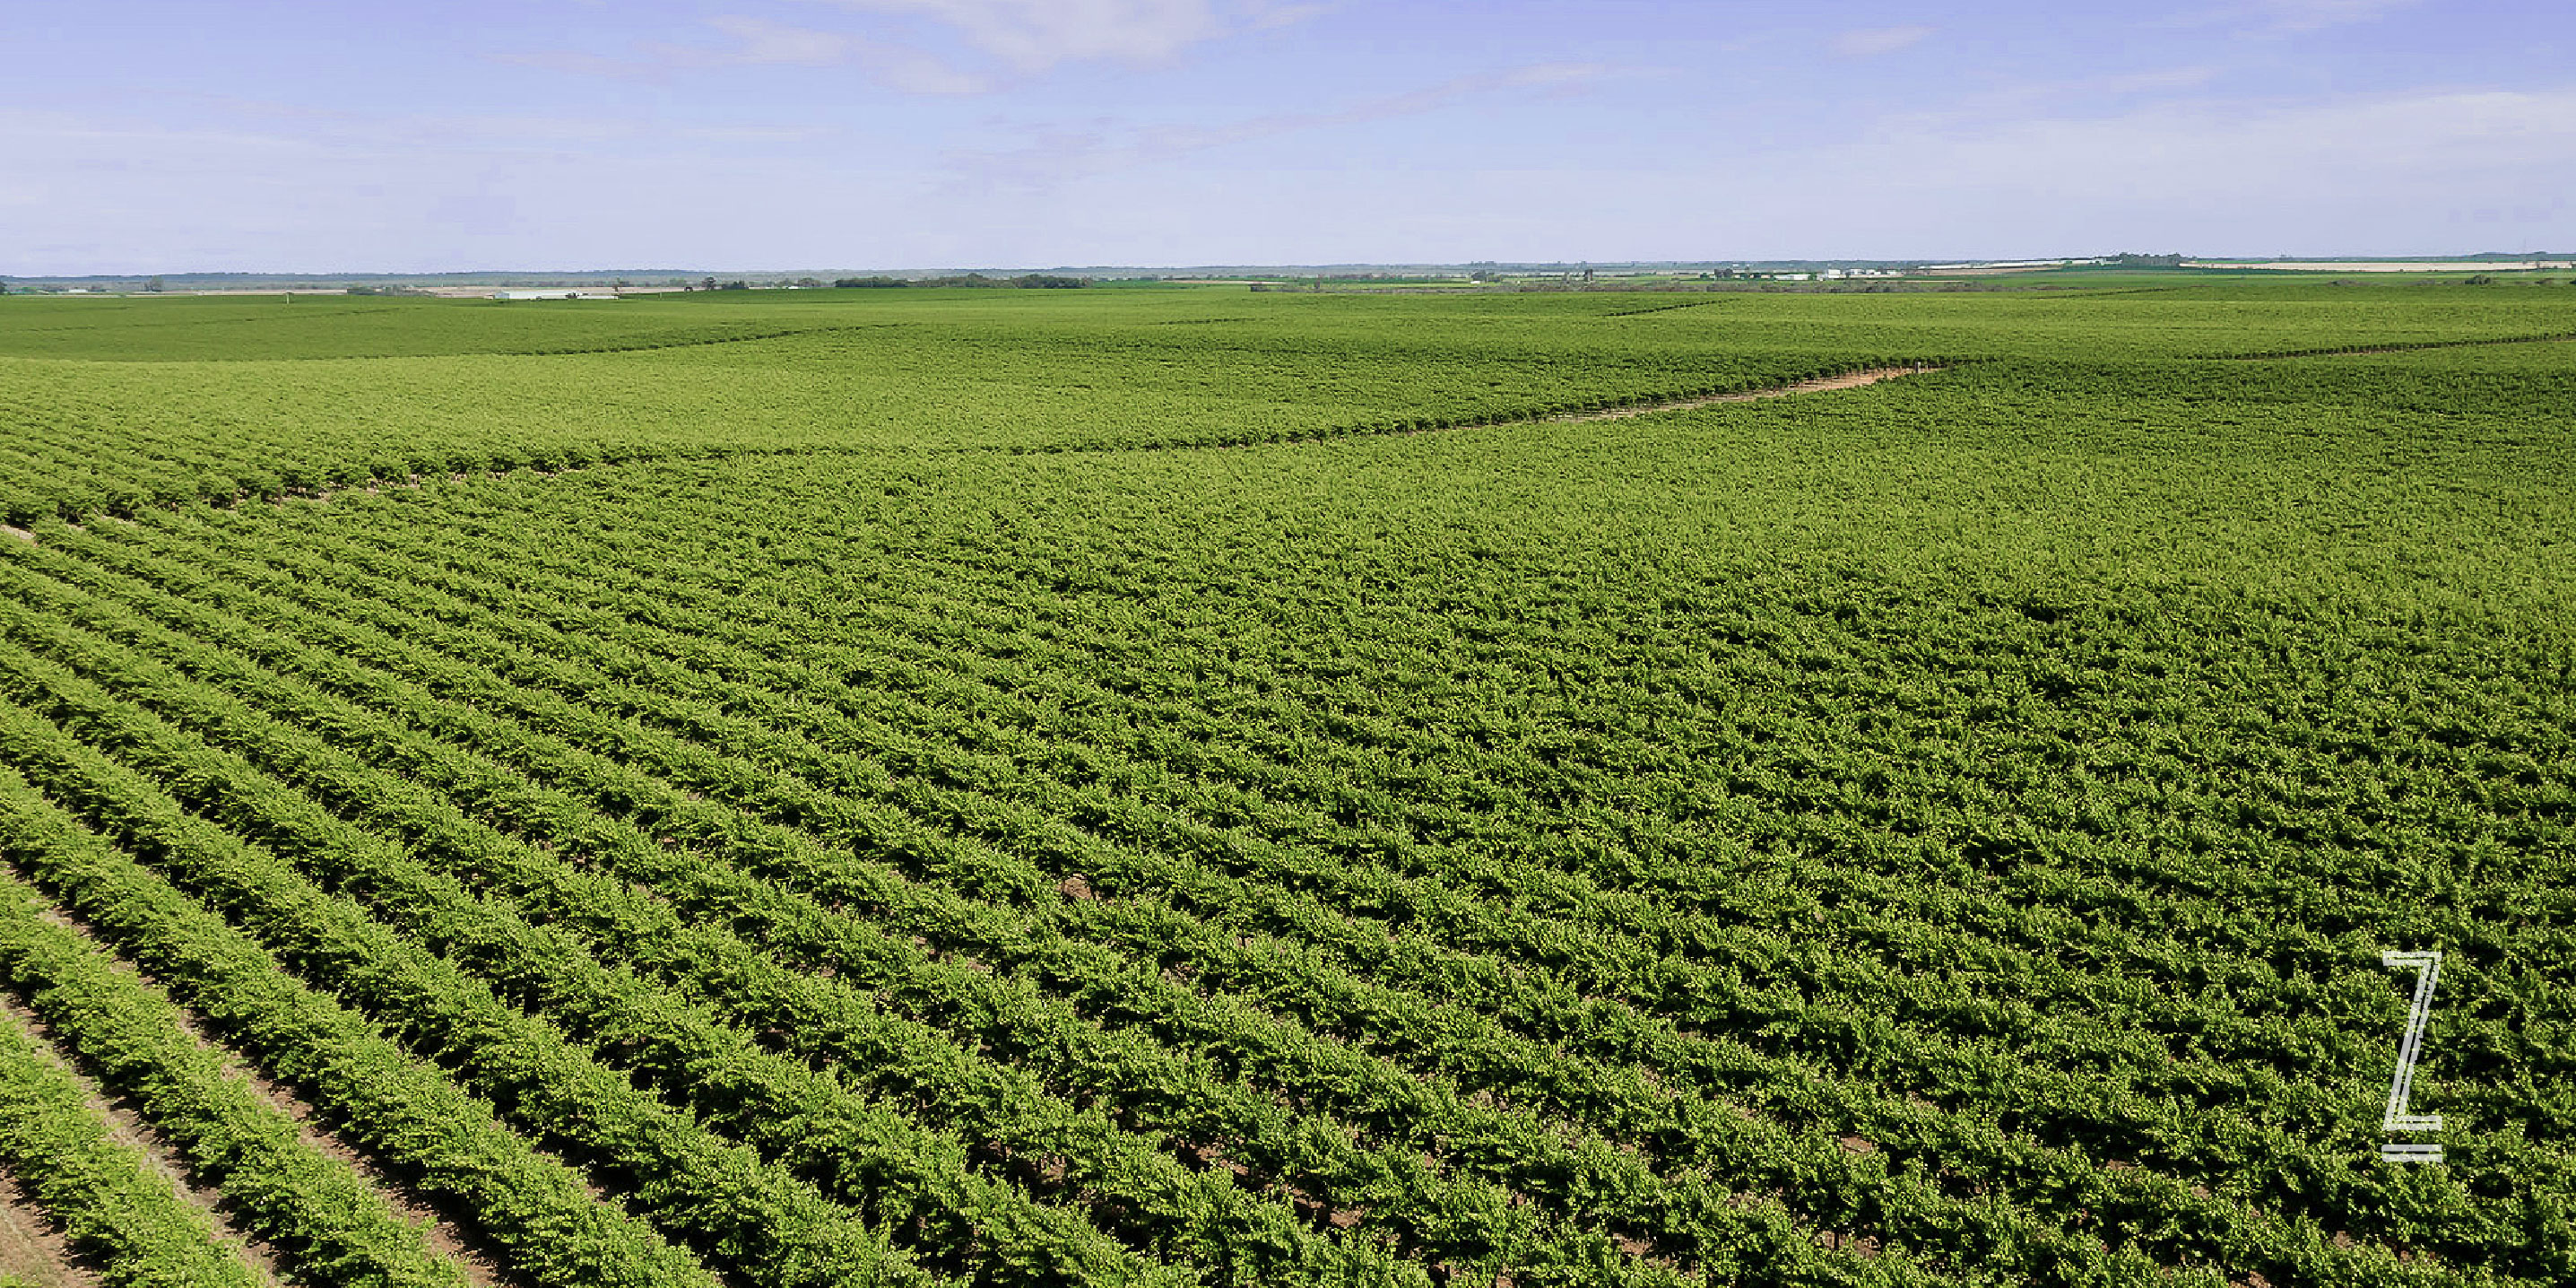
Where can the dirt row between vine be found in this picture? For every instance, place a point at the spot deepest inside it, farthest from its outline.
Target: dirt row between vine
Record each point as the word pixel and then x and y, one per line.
pixel 447 1233
pixel 43 1249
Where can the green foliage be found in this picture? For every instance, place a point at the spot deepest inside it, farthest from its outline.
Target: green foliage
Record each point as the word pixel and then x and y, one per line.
pixel 99 1191
pixel 498 386
pixel 333 1227
pixel 403 1109
pixel 1032 787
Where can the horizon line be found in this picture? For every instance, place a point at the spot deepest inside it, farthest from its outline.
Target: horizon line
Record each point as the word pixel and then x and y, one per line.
pixel 1293 266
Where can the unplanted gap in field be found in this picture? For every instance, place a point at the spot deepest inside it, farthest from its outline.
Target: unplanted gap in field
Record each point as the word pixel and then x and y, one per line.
pixel 1818 385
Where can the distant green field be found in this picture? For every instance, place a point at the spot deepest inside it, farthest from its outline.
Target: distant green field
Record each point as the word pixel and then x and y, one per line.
pixel 1028 788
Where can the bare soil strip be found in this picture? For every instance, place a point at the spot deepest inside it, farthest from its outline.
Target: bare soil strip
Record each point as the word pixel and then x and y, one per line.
pixel 31 1248
pixel 376 487
pixel 1822 384
pixel 442 1231
pixel 127 1127
pixel 445 1235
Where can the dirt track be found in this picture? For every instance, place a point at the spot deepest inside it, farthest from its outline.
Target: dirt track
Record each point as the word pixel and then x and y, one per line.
pixel 1824 384
pixel 1821 384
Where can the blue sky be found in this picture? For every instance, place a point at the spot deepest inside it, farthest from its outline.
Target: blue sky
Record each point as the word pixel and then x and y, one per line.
pixel 261 135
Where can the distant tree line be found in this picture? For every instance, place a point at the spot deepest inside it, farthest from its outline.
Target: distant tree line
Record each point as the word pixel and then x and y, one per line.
pixel 1026 281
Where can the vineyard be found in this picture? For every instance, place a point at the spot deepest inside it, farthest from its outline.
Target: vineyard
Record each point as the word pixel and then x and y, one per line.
pixel 1190 787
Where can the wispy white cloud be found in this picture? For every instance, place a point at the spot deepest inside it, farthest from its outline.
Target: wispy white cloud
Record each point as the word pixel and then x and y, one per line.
pixel 1267 15
pixel 916 71
pixel 768 137
pixel 765 42
pixel 583 63
pixel 753 134
pixel 761 42
pixel 1549 77
pixel 1024 37
pixel 2405 173
pixel 2283 17
pixel 411 192
pixel 1059 156
pixel 1032 35
pixel 2381 174
pixel 2317 15
pixel 2429 172
pixel 896 66
pixel 1008 37
pixel 1870 42
pixel 2085 95
pixel 988 43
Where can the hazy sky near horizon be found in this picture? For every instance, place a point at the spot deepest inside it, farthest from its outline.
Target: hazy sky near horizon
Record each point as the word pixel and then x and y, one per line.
pixel 142 136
